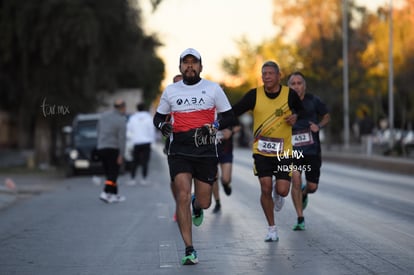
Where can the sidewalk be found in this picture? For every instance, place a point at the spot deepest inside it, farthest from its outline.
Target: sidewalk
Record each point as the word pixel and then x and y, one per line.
pixel 20 185
pixel 14 158
pixel 355 157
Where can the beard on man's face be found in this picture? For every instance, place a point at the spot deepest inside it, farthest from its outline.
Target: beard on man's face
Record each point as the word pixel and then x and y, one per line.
pixel 191 77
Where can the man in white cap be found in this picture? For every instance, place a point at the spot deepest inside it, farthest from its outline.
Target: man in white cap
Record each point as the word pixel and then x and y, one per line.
pixel 193 104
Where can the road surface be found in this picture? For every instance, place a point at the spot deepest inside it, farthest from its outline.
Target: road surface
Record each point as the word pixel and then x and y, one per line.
pixel 359 222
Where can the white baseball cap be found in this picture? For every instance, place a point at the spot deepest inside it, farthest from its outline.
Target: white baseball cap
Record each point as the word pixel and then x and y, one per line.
pixel 190 51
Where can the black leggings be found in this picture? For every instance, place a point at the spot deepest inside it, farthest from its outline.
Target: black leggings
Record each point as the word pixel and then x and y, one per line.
pixel 141 156
pixel 109 158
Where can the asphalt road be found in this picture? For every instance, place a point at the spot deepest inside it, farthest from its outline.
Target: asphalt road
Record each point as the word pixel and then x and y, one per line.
pixel 359 222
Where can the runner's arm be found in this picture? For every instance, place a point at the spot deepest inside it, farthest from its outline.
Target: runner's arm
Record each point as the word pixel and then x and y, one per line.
pixel 227 119
pixel 245 104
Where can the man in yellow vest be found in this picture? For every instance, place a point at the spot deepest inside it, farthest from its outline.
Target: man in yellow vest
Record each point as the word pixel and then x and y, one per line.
pixel 275 109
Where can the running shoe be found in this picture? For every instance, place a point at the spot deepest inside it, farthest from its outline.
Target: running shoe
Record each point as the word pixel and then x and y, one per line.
pixel 118 198
pixel 190 259
pixel 299 226
pixel 217 208
pixel 144 182
pixel 278 201
pixel 227 188
pixel 131 182
pixel 107 197
pixel 272 234
pixel 198 214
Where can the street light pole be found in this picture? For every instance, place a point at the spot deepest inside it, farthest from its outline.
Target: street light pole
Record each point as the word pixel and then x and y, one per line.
pixel 345 71
pixel 391 79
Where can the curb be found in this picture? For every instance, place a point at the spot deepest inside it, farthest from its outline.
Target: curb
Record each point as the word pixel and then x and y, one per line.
pixel 18 186
pixel 382 163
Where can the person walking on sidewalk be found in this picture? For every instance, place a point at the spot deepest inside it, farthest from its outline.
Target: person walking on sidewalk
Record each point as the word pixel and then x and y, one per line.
pixel 142 133
pixel 111 147
pixel 274 107
pixel 305 139
pixel 193 104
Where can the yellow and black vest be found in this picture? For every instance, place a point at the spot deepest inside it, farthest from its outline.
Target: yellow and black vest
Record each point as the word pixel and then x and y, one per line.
pixel 272 135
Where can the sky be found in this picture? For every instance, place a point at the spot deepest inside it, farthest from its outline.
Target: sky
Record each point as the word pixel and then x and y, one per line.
pixel 211 27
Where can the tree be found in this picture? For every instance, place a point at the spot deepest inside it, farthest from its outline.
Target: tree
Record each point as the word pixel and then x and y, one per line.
pixel 64 53
pixel 309 39
pixel 376 63
pixel 244 68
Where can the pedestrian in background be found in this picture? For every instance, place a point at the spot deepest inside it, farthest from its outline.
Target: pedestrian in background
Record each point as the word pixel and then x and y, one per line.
pixel 193 104
pixel 305 140
pixel 111 129
pixel 273 107
pixel 141 130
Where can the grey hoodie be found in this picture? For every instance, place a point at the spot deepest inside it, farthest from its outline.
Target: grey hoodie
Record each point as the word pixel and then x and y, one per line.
pixel 112 131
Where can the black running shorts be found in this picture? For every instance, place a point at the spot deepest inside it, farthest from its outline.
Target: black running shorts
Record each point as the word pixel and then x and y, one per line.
pixel 202 168
pixel 311 165
pixel 225 157
pixel 269 166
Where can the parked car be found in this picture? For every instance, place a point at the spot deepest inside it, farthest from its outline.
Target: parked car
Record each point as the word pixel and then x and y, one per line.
pixel 80 152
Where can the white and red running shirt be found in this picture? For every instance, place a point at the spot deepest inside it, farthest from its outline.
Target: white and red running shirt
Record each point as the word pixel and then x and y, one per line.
pixel 190 107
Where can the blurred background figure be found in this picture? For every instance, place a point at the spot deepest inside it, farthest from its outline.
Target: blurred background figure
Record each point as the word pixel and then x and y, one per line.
pixel 142 133
pixel 225 157
pixel 111 147
pixel 366 127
